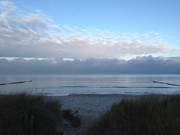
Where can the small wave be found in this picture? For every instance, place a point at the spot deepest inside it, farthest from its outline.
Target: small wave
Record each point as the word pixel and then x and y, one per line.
pixel 74 86
pixel 109 87
pixel 151 87
pixel 112 87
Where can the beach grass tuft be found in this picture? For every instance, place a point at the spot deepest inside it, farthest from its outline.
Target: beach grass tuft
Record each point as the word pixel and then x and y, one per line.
pixel 30 115
pixel 71 117
pixel 147 115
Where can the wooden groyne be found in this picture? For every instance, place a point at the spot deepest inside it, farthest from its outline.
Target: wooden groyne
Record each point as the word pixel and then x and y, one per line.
pixel 166 83
pixel 17 82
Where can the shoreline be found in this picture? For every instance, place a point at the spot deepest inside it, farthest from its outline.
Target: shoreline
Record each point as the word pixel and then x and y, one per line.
pixel 90 107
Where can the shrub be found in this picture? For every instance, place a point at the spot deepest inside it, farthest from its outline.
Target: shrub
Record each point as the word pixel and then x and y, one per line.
pixel 29 115
pixel 71 116
pixel 148 115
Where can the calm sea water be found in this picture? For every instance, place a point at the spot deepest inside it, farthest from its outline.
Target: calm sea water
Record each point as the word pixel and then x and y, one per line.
pixel 55 85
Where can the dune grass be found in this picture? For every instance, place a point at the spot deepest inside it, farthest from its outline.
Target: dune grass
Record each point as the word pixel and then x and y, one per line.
pixel 30 115
pixel 148 115
pixel 71 117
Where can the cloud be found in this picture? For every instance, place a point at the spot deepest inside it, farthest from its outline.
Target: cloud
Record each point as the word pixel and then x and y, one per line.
pixel 139 65
pixel 36 35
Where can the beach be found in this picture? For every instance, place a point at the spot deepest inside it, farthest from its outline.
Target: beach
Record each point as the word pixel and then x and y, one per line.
pixel 90 107
pixel 89 95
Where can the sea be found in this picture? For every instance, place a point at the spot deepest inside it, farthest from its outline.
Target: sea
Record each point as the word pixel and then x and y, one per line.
pixel 61 85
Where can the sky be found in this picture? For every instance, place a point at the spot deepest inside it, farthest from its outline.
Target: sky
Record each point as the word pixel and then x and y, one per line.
pixel 82 30
pixel 124 16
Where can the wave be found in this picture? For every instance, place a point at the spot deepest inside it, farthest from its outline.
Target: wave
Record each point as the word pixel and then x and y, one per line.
pixel 116 87
pixel 75 86
pixel 157 87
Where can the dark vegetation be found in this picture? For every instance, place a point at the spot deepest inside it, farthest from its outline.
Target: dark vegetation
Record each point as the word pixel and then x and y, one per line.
pixel 72 118
pixel 32 115
pixel 37 115
pixel 148 115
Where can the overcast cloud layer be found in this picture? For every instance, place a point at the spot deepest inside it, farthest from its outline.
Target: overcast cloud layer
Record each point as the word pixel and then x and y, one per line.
pixel 34 34
pixel 139 65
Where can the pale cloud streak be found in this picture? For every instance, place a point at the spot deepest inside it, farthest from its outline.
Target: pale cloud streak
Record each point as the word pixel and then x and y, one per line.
pixel 36 35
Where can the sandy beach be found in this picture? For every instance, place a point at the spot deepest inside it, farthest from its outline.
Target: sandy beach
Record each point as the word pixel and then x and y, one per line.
pixel 90 107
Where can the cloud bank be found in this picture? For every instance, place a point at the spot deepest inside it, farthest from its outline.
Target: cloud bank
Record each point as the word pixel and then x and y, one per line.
pixel 139 65
pixel 34 34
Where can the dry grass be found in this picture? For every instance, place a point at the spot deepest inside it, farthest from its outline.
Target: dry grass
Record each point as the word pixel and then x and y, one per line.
pixel 29 115
pixel 148 115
